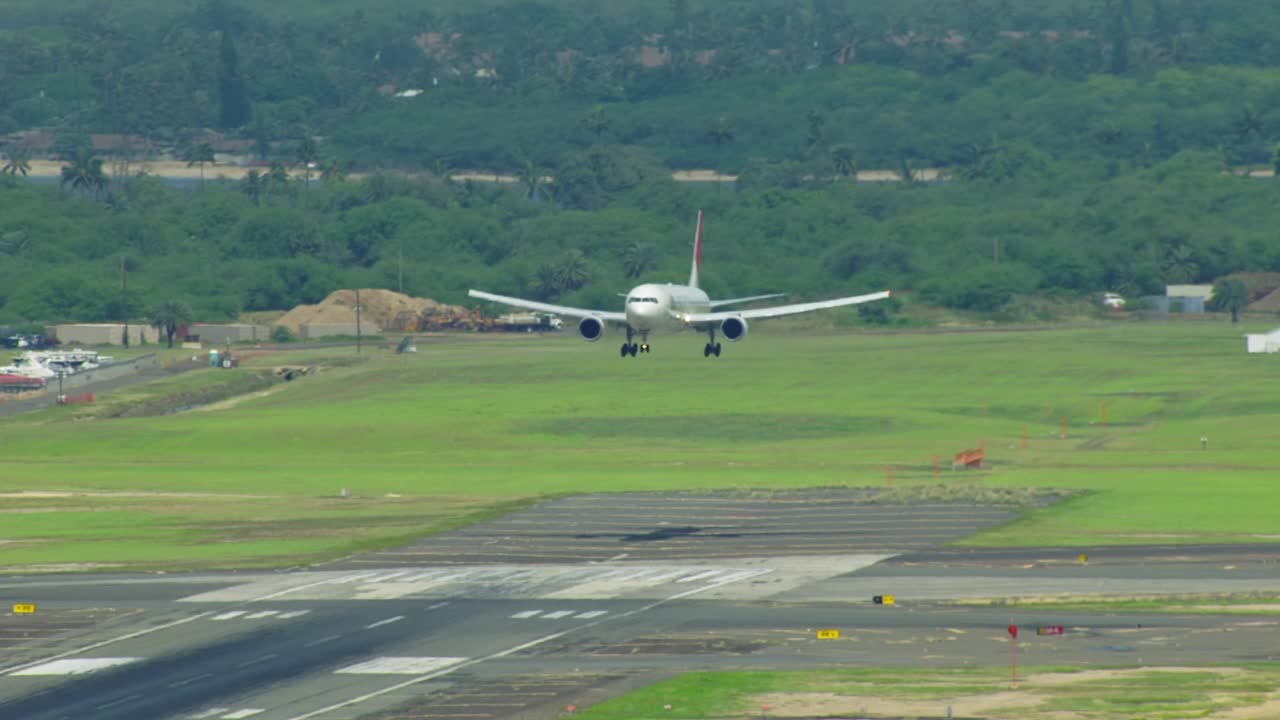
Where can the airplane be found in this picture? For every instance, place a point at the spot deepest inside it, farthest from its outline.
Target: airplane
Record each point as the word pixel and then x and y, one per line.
pixel 652 308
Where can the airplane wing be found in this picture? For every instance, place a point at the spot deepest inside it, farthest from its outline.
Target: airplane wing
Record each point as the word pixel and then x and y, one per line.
pixel 616 317
pixel 780 310
pixel 733 301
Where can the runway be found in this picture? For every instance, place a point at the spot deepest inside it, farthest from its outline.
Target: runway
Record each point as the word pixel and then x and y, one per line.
pixel 487 636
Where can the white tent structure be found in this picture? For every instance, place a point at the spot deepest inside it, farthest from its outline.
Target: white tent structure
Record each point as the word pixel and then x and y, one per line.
pixel 1263 342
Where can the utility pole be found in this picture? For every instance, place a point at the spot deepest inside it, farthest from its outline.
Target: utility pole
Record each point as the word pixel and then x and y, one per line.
pixel 124 298
pixel 400 255
pixel 357 321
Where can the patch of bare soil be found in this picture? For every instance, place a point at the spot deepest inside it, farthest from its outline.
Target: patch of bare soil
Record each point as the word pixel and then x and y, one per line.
pixel 234 401
pixel 1002 704
pixel 385 308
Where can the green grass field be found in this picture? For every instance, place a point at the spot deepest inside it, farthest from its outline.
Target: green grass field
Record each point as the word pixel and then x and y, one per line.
pixel 471 422
pixel 1096 694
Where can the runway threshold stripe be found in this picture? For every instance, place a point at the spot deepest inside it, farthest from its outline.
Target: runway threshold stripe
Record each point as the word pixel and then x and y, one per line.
pixel 230 615
pixel 239 714
pixel 380 623
pixel 558 614
pixel 524 615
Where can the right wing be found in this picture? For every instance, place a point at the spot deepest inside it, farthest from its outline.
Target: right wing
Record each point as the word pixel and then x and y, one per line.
pixel 779 310
pixel 734 301
pixel 616 317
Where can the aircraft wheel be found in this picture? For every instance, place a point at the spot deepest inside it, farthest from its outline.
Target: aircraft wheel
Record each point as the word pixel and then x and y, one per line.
pixel 706 350
pixel 715 350
pixel 625 348
pixel 634 349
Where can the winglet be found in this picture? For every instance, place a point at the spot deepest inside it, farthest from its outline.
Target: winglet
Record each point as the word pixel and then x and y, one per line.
pixel 697 253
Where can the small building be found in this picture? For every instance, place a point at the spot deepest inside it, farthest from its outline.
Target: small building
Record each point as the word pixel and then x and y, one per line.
pixel 1189 299
pixel 223 334
pixel 1268 342
pixel 104 334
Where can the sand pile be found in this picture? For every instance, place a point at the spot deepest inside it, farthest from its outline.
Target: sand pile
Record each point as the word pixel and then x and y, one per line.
pixel 387 309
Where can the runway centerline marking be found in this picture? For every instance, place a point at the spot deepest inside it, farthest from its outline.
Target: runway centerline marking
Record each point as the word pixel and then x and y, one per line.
pixel 114 703
pixel 322 640
pixel 264 658
pixel 513 650
pixel 104 643
pixel 380 623
pixel 193 678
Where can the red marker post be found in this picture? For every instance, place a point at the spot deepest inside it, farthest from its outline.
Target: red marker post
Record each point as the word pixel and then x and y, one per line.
pixel 1013 654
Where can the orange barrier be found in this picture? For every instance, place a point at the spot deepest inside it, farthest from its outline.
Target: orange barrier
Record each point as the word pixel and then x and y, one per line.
pixel 970 458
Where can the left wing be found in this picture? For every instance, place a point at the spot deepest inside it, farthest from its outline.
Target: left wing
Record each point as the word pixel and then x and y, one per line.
pixel 733 301
pixel 616 317
pixel 780 310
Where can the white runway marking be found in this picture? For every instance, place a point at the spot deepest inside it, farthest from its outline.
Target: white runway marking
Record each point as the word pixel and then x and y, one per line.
pixel 262 614
pixel 590 614
pixel 526 614
pixel 438 605
pixel 264 658
pixel 400 665
pixel 293 614
pixel 322 640
pixel 193 678
pixel 95 646
pixel 74 666
pixel 558 614
pixel 210 713
pixel 230 615
pixel 380 623
pixel 247 712
pixel 700 576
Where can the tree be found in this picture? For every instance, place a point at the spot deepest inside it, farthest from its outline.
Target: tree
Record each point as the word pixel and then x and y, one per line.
pixel 844 160
pixel 84 174
pixel 573 271
pixel 18 161
pixel 252 185
pixel 333 170
pixel 1229 294
pixel 1180 264
pixel 234 109
pixel 817 137
pixel 198 155
pixel 598 122
pixel 721 133
pixel 307 154
pixel 169 316
pixel 638 259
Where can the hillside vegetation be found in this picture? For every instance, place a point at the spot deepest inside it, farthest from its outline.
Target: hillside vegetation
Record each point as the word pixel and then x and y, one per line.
pixel 1089 140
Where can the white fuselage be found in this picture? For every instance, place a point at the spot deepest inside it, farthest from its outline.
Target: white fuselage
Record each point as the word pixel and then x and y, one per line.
pixel 656 308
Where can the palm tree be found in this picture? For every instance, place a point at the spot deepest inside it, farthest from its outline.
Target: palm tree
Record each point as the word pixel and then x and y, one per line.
pixel 171 315
pixel 333 170
pixel 638 259
pixel 598 122
pixel 84 174
pixel 198 155
pixel 531 177
pixel 306 156
pixel 1180 264
pixel 845 160
pixel 722 132
pixel 1231 294
pixel 817 136
pixel 252 185
pixel 573 271
pixel 19 161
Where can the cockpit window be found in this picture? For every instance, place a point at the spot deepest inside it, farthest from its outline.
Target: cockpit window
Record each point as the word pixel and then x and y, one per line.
pixel 642 300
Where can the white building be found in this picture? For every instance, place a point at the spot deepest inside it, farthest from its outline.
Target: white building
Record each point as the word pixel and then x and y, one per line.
pixel 1263 342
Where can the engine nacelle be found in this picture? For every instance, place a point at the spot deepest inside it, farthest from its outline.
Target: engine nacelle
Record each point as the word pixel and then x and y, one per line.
pixel 591 329
pixel 733 329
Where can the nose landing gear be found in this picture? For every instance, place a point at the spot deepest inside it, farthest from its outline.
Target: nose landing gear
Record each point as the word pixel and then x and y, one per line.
pixel 631 349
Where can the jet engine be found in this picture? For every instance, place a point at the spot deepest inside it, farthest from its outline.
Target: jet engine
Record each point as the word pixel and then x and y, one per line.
pixel 733 329
pixel 591 329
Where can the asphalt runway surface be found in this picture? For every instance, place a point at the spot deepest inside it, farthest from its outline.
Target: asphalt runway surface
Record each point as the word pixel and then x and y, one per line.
pixel 583 598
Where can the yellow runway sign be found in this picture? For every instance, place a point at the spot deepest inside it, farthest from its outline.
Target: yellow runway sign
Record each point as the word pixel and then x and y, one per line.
pixel 24 608
pixel 828 634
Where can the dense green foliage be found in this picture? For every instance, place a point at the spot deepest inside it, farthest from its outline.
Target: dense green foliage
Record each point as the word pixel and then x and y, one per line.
pixel 270 243
pixel 1088 138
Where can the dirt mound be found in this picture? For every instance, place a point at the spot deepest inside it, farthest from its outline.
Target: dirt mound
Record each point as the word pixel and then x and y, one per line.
pixel 387 309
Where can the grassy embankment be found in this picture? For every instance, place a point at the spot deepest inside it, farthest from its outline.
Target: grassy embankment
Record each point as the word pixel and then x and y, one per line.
pixel 467 425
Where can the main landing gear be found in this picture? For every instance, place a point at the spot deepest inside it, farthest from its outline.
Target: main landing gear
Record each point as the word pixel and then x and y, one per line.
pixel 713 347
pixel 630 349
